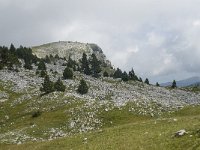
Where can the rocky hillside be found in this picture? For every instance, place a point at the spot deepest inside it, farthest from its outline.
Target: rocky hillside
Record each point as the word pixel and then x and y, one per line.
pixel 27 114
pixel 67 48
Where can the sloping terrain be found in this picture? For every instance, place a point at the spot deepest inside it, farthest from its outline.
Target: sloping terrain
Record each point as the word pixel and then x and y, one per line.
pixel 113 114
pixel 68 113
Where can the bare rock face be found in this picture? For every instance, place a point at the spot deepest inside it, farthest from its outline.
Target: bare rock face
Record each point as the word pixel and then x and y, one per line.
pixel 67 48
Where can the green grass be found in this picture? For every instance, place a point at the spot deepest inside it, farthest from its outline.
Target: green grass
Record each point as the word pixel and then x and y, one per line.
pixel 129 132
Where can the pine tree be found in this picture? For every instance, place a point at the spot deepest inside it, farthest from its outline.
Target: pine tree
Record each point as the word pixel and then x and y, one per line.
pixel 105 74
pixel 47 59
pixel 146 81
pixel 41 65
pixel 132 75
pixel 71 64
pixel 59 86
pixel 174 84
pixel 43 73
pixel 47 86
pixel 140 79
pixel 118 73
pixel 12 49
pixel 157 84
pixel 95 66
pixel 125 76
pixel 83 87
pixel 27 64
pixel 85 65
pixel 68 73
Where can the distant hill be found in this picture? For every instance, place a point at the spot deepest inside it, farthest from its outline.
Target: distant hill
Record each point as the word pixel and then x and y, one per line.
pixel 184 83
pixel 68 48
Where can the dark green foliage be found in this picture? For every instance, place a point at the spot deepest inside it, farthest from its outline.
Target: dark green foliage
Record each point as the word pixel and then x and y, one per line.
pixel 83 87
pixel 174 84
pixel 85 65
pixel 41 65
pixel 105 74
pixel 132 75
pixel 56 56
pixel 27 64
pixel 118 73
pixel 47 59
pixel 47 86
pixel 140 79
pixel 124 76
pixel 146 81
pixel 157 84
pixel 68 73
pixel 59 86
pixel 36 114
pixel 72 64
pixel 42 73
pixel 8 59
pixel 95 66
pixel 26 54
pixel 12 49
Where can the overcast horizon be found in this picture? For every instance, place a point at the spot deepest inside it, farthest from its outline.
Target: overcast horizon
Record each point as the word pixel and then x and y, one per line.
pixel 158 39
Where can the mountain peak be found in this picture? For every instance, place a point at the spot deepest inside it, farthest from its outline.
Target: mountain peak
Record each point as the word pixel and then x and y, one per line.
pixel 68 48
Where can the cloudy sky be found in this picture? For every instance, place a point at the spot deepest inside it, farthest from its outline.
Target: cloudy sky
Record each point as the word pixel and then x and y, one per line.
pixel 160 39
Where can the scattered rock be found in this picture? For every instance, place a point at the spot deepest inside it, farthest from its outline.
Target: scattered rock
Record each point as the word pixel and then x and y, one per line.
pixel 180 133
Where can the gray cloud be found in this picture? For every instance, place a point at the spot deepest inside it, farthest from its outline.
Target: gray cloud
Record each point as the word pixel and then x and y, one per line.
pixel 159 39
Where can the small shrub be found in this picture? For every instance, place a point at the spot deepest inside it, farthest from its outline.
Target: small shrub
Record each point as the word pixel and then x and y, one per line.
pixel 36 114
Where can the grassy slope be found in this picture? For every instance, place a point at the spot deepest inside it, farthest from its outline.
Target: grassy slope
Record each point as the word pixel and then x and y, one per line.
pixel 132 132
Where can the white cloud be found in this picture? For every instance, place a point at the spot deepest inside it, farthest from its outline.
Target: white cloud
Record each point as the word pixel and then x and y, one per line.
pixel 156 38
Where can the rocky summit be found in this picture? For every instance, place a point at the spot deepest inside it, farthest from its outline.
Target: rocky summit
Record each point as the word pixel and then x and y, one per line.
pixel 68 49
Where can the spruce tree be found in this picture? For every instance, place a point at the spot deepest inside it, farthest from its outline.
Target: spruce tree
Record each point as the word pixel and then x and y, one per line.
pixel 105 74
pixel 27 64
pixel 85 65
pixel 95 66
pixel 47 86
pixel 146 81
pixel 68 73
pixel 132 75
pixel 41 65
pixel 125 76
pixel 59 86
pixel 118 73
pixel 12 49
pixel 83 87
pixel 174 84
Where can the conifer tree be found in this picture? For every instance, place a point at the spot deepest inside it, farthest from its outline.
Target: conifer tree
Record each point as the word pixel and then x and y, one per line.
pixel 132 75
pixel 47 59
pixel 59 86
pixel 95 66
pixel 47 86
pixel 12 49
pixel 83 87
pixel 85 65
pixel 157 84
pixel 125 76
pixel 27 64
pixel 42 73
pixel 118 73
pixel 105 74
pixel 174 84
pixel 146 81
pixel 68 73
pixel 41 65
pixel 140 79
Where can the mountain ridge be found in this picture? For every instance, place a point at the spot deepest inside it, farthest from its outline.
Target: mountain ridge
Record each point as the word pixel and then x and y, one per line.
pixel 184 83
